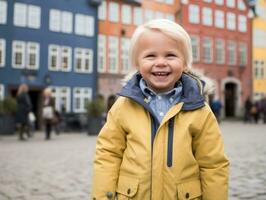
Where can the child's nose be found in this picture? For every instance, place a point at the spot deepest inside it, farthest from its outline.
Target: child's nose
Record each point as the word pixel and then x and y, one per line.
pixel 161 62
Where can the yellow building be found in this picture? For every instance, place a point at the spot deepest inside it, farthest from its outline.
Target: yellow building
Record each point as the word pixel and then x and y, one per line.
pixel 259 51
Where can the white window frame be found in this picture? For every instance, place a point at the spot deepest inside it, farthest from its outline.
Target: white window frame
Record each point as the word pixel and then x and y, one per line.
pixel 126 13
pixel 113 54
pixel 101 53
pixel 231 3
pixel 219 2
pixel 219 19
pixel 219 51
pixel 243 52
pixel 207 1
pixel 35 52
pixel 102 11
pixel 194 14
pixel 159 15
pixel 86 56
pixel 2 91
pixel 241 5
pixel 113 12
pixel 230 21
pixel 148 15
pixel 34 16
pixel 258 39
pixel 242 23
pixel 3 52
pixel 207 50
pixel 195 43
pixel 20 14
pixel 170 16
pixel 66 51
pixel 22 50
pixel 53 53
pixel 66 22
pixel 54 20
pixel 137 16
pixel 84 25
pixel 207 16
pixel 169 2
pixel 231 48
pixel 124 52
pixel 3 12
pixel 59 93
pixel 83 95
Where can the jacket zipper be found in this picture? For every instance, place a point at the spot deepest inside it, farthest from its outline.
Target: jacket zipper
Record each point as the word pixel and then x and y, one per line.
pixel 170 142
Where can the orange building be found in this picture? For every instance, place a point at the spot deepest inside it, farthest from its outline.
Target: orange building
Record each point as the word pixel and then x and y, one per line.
pixel 117 21
pixel 221 39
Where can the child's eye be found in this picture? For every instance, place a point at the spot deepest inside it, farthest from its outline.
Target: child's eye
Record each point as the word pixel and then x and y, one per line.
pixel 171 55
pixel 150 56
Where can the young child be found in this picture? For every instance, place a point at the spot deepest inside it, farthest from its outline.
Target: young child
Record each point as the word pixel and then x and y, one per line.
pixel 161 140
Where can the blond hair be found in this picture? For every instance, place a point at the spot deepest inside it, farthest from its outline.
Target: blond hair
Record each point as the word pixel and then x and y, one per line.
pixel 170 29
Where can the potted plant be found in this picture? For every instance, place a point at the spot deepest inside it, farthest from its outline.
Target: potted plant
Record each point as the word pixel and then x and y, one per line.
pixel 95 111
pixel 8 107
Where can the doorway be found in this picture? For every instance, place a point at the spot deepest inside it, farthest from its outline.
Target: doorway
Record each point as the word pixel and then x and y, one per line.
pixel 230 99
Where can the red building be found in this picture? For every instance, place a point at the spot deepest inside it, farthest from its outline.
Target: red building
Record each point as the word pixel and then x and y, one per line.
pixel 221 39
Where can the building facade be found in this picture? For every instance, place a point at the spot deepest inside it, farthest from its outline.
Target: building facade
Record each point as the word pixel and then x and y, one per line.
pixel 259 51
pixel 221 37
pixel 49 44
pixel 117 21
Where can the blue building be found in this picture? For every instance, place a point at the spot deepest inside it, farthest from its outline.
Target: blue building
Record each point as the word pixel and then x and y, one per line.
pixel 49 44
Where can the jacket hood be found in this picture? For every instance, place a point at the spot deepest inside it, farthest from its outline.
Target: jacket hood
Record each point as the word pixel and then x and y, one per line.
pixel 192 91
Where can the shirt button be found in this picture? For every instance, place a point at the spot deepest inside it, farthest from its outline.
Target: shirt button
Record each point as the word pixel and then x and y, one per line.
pixel 161 114
pixel 187 195
pixel 109 195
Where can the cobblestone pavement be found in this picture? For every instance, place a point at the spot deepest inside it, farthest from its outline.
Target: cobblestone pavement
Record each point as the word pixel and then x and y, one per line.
pixel 60 169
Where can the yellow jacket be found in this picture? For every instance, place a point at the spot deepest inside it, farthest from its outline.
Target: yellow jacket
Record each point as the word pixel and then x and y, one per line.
pixel 180 158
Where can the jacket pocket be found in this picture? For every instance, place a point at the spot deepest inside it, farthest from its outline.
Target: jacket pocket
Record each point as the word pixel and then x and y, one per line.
pixel 189 190
pixel 127 188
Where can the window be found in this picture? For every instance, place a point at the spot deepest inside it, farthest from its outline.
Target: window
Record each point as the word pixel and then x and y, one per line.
pixel 81 98
pixel 231 21
pixel 242 54
pixel 62 99
pixel 207 16
pixel 66 53
pixel 102 11
pixel 231 53
pixel 61 21
pixel 59 58
pixel 159 15
pixel 220 54
pixel 125 42
pixel 101 53
pixel 137 16
pixel 242 23
pixel 83 60
pixel 18 54
pixel 259 36
pixel 195 48
pixel 27 15
pixel 113 12
pixel 3 12
pixel 54 61
pixel 207 50
pixel 219 19
pixel 194 14
pixel 230 3
pixel 241 5
pixel 208 1
pixel 33 50
pixel 113 54
pixel 84 25
pixel 149 15
pixel 170 17
pixel 261 12
pixel 126 14
pixel 2 52
pixel 170 2
pixel 2 91
pixel 219 2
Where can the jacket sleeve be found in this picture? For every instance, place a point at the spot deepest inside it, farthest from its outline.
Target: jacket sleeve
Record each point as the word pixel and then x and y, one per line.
pixel 208 149
pixel 110 146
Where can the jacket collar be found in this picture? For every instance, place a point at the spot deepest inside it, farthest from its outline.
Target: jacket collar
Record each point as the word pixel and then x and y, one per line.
pixel 192 93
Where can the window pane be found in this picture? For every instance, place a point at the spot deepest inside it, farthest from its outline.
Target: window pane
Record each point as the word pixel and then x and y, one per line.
pixel 3 12
pixel 2 52
pixel 54 20
pixel 67 22
pixel 20 11
pixel 34 16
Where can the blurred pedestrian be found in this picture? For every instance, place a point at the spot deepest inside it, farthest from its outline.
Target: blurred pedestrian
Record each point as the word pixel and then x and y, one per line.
pixel 255 112
pixel 48 112
pixel 24 107
pixel 263 108
pixel 160 136
pixel 216 107
pixel 247 110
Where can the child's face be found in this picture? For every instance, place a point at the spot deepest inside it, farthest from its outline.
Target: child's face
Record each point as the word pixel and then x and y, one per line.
pixel 159 61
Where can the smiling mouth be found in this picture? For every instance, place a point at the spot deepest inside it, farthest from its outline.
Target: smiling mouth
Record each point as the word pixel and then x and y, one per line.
pixel 160 73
